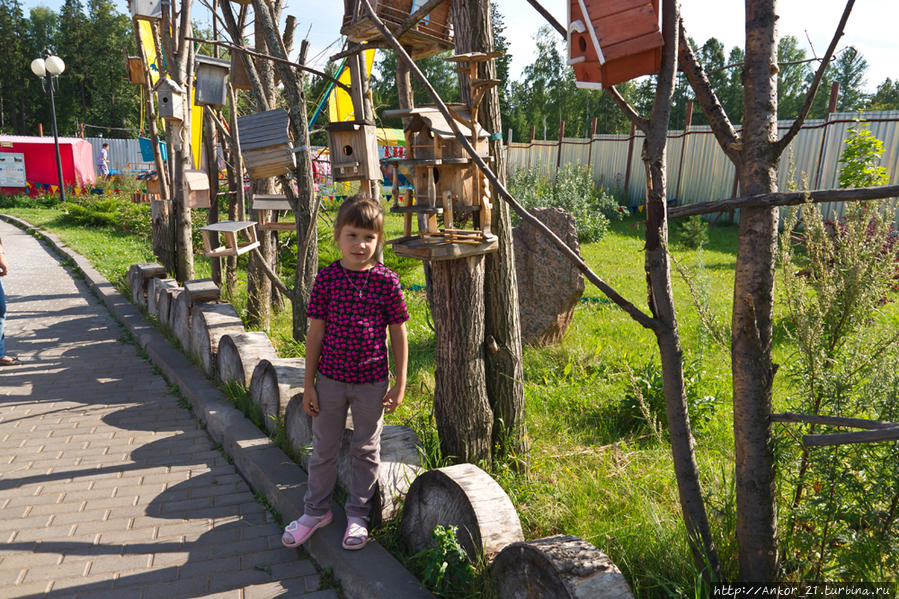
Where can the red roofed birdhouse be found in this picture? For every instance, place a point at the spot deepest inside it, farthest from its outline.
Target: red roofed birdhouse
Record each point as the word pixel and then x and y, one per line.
pixel 610 41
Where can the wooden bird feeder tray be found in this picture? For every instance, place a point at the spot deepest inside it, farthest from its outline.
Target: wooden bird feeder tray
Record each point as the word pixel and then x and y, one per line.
pixel 148 10
pixel 447 184
pixel 197 183
pixel 613 42
pixel 136 70
pixel 262 202
pixel 431 35
pixel 354 151
pixel 211 81
pixel 233 244
pixel 265 143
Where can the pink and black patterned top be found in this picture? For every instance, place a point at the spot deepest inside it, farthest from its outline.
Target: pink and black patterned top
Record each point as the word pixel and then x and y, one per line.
pixel 357 307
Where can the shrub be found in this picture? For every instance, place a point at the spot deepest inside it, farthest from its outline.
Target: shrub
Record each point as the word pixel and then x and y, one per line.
pixel 693 232
pixel 574 192
pixel 119 214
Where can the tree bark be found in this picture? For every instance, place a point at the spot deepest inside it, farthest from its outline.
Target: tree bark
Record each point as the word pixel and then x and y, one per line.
pixel 661 303
pixel 461 407
pixel 210 143
pixel 752 369
pixel 473 32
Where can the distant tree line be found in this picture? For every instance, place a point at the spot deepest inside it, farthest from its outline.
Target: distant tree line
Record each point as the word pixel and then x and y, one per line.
pixel 94 88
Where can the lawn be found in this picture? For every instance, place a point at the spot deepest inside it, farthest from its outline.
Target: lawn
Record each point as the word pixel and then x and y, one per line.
pixel 600 467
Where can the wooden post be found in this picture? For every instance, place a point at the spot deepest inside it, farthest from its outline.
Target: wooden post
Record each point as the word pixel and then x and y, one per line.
pixel 590 146
pixel 164 186
pixel 630 152
pixel 559 154
pixel 683 147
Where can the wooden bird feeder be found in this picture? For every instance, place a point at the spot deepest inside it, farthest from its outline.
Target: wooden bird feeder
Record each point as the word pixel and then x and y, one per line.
pixel 265 143
pixel 614 41
pixel 171 100
pixel 261 203
pixel 240 238
pixel 197 183
pixel 211 82
pixel 150 10
pixel 354 151
pixel 431 35
pixel 136 70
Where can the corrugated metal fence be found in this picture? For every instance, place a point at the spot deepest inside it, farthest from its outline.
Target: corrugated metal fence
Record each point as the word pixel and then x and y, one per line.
pixel 698 170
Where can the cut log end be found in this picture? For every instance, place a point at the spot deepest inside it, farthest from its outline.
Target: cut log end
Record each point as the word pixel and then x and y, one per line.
pixel 240 353
pixel 209 324
pixel 272 385
pixel 466 497
pixel 560 567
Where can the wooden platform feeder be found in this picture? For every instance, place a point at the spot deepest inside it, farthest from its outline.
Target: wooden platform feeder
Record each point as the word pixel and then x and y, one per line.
pixel 136 70
pixel 260 203
pixel 197 183
pixel 613 42
pixel 211 81
pixel 171 100
pixel 149 10
pixel 265 143
pixel 447 183
pixel 233 231
pixel 354 151
pixel 431 35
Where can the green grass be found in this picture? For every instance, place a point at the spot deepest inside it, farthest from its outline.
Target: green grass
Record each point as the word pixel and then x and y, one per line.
pixel 597 470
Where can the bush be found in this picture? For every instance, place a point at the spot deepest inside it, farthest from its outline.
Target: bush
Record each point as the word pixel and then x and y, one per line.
pixel 574 192
pixel 693 232
pixel 119 214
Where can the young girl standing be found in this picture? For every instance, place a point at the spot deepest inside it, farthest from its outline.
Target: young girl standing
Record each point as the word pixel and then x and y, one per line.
pixel 353 302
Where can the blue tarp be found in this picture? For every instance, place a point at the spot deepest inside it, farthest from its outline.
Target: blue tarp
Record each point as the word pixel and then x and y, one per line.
pixel 146 149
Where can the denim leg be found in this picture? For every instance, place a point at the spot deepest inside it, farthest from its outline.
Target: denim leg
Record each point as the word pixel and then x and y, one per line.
pixel 2 321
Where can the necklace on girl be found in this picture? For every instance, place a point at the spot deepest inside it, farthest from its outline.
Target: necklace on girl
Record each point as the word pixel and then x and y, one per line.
pixel 358 289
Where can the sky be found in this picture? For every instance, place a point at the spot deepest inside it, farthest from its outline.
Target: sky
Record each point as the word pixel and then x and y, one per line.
pixel 871 27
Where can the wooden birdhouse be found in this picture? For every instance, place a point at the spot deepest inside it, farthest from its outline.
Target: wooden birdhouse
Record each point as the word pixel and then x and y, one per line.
pixel 613 42
pixel 171 100
pixel 354 151
pixel 197 183
pixel 150 10
pixel 136 70
pixel 446 183
pixel 265 143
pixel 431 34
pixel 211 84
pixel 239 238
pixel 239 77
pixel 261 203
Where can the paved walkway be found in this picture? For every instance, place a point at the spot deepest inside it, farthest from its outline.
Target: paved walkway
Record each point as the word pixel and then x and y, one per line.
pixel 108 488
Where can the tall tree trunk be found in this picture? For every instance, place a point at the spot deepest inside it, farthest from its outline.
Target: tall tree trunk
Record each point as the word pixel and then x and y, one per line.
pixel 461 407
pixel 661 303
pixel 753 371
pixel 259 288
pixel 210 141
pixel 303 200
pixel 473 32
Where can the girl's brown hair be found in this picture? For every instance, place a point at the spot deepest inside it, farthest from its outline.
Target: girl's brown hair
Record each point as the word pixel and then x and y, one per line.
pixel 361 212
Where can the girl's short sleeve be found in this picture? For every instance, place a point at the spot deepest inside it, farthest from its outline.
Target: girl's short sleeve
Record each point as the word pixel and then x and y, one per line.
pixel 319 299
pixel 395 305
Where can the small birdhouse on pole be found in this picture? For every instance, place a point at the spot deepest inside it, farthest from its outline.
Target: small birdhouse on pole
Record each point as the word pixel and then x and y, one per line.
pixel 171 100
pixel 149 10
pixel 354 151
pixel 211 82
pixel 612 42
pixel 428 34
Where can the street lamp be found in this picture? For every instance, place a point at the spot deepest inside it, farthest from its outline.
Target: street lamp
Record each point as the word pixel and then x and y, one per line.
pixel 49 68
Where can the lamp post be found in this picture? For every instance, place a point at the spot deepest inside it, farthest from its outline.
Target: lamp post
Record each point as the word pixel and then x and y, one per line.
pixel 49 68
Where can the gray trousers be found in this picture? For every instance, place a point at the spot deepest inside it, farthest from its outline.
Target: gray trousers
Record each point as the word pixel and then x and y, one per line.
pixel 334 398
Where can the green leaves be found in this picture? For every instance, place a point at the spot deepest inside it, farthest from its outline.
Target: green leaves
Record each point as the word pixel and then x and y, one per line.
pixel 861 159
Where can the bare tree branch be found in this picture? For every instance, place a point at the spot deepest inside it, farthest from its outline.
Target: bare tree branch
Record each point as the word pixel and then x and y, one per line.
pixel 641 123
pixel 770 200
pixel 236 35
pixel 781 144
pixel 832 420
pixel 417 16
pixel 273 277
pixel 883 434
pixel 551 19
pixel 714 112
pixel 632 310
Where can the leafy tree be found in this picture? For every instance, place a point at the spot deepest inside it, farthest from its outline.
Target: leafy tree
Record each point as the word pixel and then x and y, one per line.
pixel 886 97
pixel 849 69
pixel 13 57
pixel 792 79
pixel 731 95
